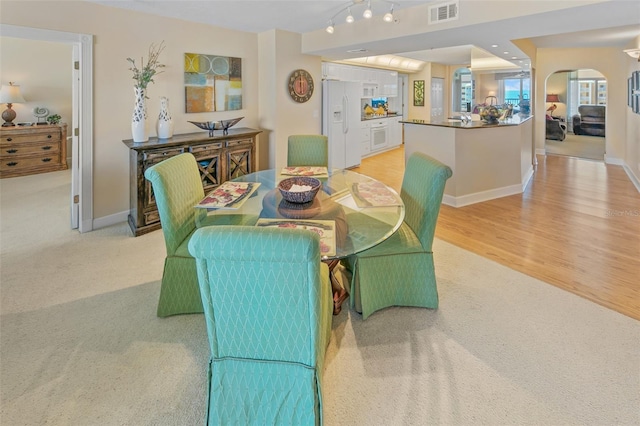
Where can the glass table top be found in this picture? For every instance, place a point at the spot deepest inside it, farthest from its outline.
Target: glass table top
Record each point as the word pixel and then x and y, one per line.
pixel 363 210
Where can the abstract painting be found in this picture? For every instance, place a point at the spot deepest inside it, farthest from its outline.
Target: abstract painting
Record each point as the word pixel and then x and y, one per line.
pixel 212 83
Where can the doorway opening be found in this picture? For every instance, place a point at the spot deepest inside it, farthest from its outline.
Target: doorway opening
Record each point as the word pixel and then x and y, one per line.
pixel 576 105
pixel 81 129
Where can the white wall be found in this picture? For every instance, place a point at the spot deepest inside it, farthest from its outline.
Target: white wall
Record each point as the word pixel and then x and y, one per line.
pixel 120 34
pixel 43 72
pixel 632 142
pixel 280 115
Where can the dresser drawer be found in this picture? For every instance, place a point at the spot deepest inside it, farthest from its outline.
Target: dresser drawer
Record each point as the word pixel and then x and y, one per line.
pixel 29 149
pixel 19 163
pixel 239 142
pixel 46 136
pixel 158 155
pixel 205 147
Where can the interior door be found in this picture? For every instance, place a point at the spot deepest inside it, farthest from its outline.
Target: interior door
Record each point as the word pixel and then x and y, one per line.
pixel 437 99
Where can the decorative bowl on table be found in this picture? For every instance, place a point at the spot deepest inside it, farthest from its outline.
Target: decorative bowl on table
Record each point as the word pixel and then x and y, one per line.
pixel 299 189
pixel 223 125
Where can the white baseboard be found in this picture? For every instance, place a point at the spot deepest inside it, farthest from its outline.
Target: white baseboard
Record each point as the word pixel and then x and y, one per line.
pixel 103 222
pixel 527 178
pixel 613 160
pixel 479 197
pixel 633 178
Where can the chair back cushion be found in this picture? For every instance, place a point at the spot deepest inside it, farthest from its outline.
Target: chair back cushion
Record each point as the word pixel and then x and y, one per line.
pixel 262 292
pixel 308 150
pixel 177 189
pixel 422 191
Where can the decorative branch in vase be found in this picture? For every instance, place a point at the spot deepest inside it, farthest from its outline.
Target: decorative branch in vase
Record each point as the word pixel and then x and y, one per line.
pixel 143 76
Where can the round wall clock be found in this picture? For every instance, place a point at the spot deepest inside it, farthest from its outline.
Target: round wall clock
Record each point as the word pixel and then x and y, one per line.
pixel 300 86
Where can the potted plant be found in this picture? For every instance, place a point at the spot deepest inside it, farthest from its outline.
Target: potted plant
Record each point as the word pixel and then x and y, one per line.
pixel 54 119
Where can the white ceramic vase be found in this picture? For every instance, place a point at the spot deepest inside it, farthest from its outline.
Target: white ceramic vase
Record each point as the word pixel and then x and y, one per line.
pixel 139 119
pixel 164 126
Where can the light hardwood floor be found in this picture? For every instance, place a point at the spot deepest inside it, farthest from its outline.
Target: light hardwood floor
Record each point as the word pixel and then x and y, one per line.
pixel 576 226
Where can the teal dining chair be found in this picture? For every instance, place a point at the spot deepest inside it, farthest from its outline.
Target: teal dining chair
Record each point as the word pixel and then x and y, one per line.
pixel 308 150
pixel 177 188
pixel 400 270
pixel 268 312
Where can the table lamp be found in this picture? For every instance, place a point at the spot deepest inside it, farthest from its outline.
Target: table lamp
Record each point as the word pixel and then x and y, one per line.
pixel 10 94
pixel 551 98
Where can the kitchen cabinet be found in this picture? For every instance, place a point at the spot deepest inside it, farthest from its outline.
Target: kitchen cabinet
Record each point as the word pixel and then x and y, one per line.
pixel 395 131
pixel 388 83
pixel 375 82
pixel 365 138
pixel 219 157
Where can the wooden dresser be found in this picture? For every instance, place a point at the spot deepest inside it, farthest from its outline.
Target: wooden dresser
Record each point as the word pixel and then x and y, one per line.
pixel 220 158
pixel 32 149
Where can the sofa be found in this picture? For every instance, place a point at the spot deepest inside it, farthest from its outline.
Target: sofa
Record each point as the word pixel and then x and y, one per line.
pixel 589 120
pixel 556 129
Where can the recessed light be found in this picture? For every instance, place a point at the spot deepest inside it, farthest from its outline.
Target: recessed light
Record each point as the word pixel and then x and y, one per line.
pixel 506 53
pixel 514 57
pixel 494 45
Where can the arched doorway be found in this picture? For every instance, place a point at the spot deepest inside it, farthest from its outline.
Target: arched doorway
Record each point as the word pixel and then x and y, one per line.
pixel 576 104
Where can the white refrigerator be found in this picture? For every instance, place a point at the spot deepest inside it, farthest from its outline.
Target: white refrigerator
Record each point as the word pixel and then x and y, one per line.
pixel 341 122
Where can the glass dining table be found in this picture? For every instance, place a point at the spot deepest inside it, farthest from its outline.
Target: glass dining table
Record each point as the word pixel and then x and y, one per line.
pixel 351 212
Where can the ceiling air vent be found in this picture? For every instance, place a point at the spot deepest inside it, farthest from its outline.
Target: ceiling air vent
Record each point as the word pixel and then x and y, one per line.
pixel 443 12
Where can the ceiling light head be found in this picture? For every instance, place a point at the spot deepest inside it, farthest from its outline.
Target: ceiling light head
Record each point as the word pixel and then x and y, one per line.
pixel 330 28
pixel 388 17
pixel 367 14
pixel 349 17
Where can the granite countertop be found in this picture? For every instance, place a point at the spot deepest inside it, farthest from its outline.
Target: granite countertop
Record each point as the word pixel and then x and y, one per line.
pixel 516 120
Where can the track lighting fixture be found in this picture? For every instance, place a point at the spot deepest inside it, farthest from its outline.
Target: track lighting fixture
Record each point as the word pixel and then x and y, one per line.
pixel 349 17
pixel 367 14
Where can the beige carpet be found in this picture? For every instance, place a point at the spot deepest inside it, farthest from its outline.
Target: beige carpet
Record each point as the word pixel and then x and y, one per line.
pixel 591 147
pixel 80 343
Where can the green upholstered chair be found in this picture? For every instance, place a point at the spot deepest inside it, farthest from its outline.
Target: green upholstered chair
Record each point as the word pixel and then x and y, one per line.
pixel 177 188
pixel 308 150
pixel 400 270
pixel 268 310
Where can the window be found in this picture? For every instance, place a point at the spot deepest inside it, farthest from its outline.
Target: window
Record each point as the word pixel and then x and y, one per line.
pixel 588 90
pixel 515 90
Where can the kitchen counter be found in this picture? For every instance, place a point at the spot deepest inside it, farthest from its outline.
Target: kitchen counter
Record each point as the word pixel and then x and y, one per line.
pixel 516 120
pixel 488 160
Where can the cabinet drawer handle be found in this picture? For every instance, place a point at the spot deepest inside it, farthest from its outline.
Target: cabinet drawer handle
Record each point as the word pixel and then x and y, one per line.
pixel 11 164
pixel 46 160
pixel 9 139
pixel 46 148
pixel 12 151
pixel 49 136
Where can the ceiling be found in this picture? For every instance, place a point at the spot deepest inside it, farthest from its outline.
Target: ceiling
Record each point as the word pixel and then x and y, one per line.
pixel 613 23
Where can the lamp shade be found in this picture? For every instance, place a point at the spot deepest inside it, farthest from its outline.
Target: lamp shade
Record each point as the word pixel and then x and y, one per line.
pixel 552 98
pixel 10 94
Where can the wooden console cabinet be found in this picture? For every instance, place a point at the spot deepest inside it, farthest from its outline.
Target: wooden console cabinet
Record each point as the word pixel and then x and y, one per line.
pixel 32 149
pixel 220 158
